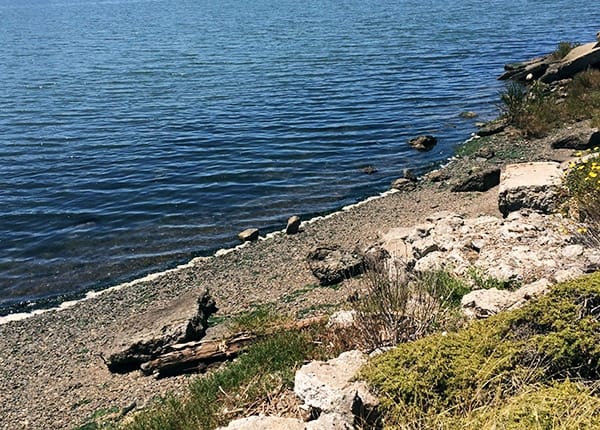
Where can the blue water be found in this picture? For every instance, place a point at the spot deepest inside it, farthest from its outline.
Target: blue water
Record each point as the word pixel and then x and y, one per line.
pixel 135 135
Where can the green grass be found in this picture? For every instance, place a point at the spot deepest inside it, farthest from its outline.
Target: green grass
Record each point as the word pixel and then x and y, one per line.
pixel 464 379
pixel 470 147
pixel 266 365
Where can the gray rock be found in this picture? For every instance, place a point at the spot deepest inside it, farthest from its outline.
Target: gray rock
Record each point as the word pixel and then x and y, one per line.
pixel 329 387
pixel 530 185
pixel 481 180
pixel 492 127
pixel 485 303
pixel 423 143
pixel 578 60
pixel 329 422
pixel 468 114
pixel 578 136
pixel 249 235
pixel 147 335
pixel 333 264
pixel 408 174
pixel 369 170
pixel 293 225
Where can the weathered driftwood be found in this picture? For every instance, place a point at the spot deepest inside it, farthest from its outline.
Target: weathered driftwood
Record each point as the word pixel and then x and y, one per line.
pixel 197 355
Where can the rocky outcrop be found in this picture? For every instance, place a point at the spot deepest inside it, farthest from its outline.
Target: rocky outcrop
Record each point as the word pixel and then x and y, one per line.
pixel 535 186
pixel 332 264
pixel 579 59
pixel 520 249
pixel 149 334
pixel 487 302
pixel 578 136
pixel 550 69
pixel 423 143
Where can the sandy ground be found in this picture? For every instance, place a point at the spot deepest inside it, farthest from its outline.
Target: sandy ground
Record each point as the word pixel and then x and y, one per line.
pixel 51 371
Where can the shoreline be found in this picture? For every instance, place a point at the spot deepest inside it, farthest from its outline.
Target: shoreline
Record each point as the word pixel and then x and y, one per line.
pixel 62 351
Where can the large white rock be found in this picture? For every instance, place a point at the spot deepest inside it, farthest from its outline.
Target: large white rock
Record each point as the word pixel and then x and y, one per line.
pixel 328 386
pixel 530 185
pixel 256 422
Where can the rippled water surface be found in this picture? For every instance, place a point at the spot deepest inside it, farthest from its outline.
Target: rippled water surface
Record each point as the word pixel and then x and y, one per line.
pixel 135 135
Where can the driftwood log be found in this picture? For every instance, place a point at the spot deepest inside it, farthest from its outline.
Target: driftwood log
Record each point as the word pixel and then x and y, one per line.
pixel 198 355
pixel 195 356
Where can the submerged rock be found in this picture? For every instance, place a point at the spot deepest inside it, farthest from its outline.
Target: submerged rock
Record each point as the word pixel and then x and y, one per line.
pixel 423 143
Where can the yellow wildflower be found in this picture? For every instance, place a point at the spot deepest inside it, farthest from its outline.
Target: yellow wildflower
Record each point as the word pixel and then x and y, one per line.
pixel 593 174
pixel 578 154
pixel 581 230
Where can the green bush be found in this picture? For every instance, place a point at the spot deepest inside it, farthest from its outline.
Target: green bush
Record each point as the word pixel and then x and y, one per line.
pixel 447 378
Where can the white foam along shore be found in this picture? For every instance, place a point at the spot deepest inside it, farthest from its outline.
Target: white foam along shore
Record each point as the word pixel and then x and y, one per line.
pixel 190 264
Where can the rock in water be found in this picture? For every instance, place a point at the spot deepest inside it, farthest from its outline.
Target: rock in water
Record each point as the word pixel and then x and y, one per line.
pixel 249 235
pixel 423 143
pixel 293 225
pixel 147 335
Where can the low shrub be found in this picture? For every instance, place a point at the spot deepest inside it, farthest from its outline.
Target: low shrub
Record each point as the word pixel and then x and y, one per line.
pixel 405 307
pixel 447 378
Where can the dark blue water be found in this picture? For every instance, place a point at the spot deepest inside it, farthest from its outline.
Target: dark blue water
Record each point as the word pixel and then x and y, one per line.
pixel 135 135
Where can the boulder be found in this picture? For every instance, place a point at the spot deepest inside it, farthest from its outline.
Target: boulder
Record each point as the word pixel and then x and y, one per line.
pixel 423 143
pixel 149 334
pixel 248 235
pixel 332 264
pixel 329 387
pixel 578 60
pixel 520 72
pixel 480 180
pixel 293 225
pixel 468 114
pixel 530 185
pixel 579 136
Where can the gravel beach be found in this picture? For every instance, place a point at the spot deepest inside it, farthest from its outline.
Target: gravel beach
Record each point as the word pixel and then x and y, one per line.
pixel 52 373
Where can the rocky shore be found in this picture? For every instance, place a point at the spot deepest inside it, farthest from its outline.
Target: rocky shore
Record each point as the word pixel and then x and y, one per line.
pixel 52 366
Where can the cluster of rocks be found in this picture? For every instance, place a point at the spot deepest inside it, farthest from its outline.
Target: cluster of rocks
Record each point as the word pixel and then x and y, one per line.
pixel 531 246
pixel 550 69
pixel 332 399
